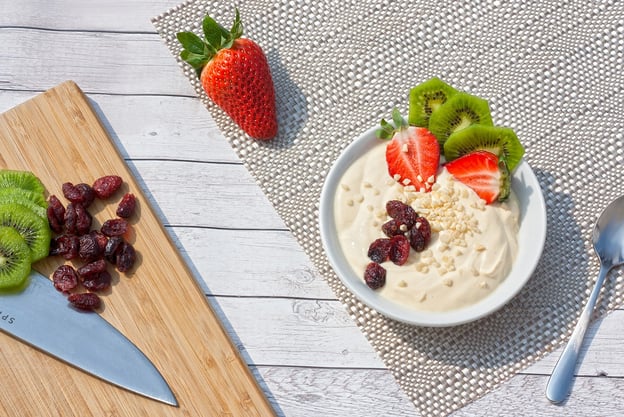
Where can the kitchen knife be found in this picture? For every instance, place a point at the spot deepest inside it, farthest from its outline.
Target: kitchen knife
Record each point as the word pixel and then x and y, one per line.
pixel 39 316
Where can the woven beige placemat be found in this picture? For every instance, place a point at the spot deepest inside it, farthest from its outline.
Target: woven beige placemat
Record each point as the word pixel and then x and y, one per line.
pixel 552 70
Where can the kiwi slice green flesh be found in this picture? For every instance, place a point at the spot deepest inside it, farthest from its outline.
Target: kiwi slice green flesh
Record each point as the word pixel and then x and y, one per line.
pixel 458 112
pixel 15 195
pixel 501 141
pixel 15 258
pixel 425 98
pixel 34 229
pixel 21 179
pixel 27 204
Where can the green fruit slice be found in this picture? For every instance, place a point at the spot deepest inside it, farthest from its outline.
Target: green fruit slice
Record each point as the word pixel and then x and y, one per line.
pixel 460 111
pixel 21 179
pixel 34 229
pixel 501 141
pixel 25 198
pixel 14 258
pixel 426 98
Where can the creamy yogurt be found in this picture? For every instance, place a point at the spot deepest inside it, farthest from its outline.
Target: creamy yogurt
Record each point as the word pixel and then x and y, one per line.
pixel 472 248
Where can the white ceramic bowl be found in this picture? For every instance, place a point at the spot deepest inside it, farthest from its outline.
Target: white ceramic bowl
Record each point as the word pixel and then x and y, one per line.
pixel 531 237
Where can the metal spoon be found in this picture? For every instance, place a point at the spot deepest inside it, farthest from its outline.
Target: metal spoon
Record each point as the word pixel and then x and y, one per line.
pixel 608 240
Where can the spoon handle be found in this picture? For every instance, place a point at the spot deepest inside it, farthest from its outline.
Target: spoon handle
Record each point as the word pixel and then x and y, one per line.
pixel 561 378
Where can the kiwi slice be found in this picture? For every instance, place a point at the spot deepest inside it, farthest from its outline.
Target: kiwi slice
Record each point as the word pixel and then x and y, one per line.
pixel 501 141
pixel 14 258
pixel 26 204
pixel 34 229
pixel 426 98
pixel 21 179
pixel 19 195
pixel 460 111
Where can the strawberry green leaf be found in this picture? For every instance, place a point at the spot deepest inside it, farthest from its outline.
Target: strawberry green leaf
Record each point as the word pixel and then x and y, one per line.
pixel 214 32
pixel 195 60
pixel 191 42
pixel 386 131
pixel 237 26
pixel 398 119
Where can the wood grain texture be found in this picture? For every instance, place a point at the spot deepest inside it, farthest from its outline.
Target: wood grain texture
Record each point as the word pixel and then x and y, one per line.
pixel 159 306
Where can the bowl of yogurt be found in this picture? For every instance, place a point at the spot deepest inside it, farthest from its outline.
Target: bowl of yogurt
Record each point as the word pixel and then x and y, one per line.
pixel 479 257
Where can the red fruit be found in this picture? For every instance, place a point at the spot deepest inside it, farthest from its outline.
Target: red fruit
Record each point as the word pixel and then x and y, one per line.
pixel 484 172
pixel 85 301
pixel 235 74
pixel 399 249
pixel 105 186
pixel 417 240
pixel 65 278
pixel 375 275
pixel 126 206
pixel 392 228
pixel 402 213
pixel 413 154
pixel 379 250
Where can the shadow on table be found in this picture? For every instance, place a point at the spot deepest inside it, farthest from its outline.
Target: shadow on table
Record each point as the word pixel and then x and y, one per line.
pixel 196 275
pixel 292 110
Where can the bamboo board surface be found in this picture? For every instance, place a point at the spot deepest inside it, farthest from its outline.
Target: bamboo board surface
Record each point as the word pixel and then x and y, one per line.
pixel 158 305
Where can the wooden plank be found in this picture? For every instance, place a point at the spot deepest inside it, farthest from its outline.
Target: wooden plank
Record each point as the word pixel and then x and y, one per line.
pixel 140 63
pixel 159 306
pixel 524 395
pixel 112 15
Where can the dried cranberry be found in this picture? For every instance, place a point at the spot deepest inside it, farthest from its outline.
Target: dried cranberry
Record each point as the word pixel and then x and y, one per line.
pixel 106 186
pixel 53 221
pixel 417 240
pixel 83 219
pixel 71 218
pixel 126 206
pixel 98 282
pixel 89 249
pixel 80 193
pixel 125 257
pixel 375 275
pixel 85 301
pixel 56 214
pixel 401 212
pixel 399 249
pixel 101 238
pixel 70 192
pixel 87 195
pixel 65 278
pixel 114 227
pixel 112 249
pixel 379 250
pixel 423 226
pixel 91 269
pixel 57 207
pixel 392 228
pixel 65 245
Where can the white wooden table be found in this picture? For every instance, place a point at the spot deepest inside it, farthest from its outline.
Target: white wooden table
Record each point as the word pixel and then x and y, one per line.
pixel 308 356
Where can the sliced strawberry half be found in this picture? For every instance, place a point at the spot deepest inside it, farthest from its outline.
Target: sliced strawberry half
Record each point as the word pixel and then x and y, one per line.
pixel 413 153
pixel 484 172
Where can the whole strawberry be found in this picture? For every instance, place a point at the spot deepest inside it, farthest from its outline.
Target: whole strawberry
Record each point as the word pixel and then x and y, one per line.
pixel 235 75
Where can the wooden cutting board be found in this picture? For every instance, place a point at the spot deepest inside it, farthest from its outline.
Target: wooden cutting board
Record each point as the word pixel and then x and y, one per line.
pixel 159 305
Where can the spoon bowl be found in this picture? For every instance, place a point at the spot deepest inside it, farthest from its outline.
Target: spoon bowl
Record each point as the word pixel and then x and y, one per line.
pixel 608 242
pixel 608 235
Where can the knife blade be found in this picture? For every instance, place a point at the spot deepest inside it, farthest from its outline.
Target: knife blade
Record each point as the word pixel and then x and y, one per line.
pixel 40 317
